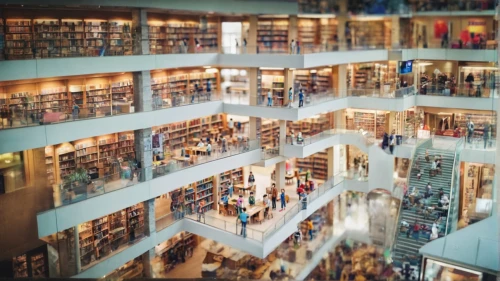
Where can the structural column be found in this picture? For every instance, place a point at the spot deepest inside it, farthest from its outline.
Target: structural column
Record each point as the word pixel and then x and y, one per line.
pixel 292 29
pixel 140 25
pixel 253 89
pixel 252 35
pixel 341 22
pixel 342 81
pixel 288 84
pixel 331 165
pixel 147 259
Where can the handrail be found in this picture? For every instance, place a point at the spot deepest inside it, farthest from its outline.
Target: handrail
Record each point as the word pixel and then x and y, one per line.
pixel 458 149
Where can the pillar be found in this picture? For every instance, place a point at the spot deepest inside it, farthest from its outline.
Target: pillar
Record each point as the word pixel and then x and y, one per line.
pixel 78 261
pixel 140 26
pixel 144 152
pixel 147 259
pixel 149 217
pixel 282 136
pixel 341 21
pixel 395 31
pixel 252 35
pixel 330 154
pixel 497 159
pixel 342 81
pixel 143 96
pixel 288 83
pixel 280 175
pixel 293 28
pixel 253 91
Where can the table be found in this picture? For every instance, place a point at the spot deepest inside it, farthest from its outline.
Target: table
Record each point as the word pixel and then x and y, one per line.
pixel 255 211
pixel 193 150
pixel 238 187
pixel 289 178
pixel 181 159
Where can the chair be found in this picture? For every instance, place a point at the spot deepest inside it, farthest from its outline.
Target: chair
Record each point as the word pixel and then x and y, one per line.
pixel 259 217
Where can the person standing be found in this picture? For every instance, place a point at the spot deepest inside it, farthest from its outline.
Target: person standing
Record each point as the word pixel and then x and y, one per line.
pixel 75 110
pixel 392 141
pixel 200 211
pixel 310 228
pixel 239 203
pixel 301 98
pixel 230 125
pixel 251 179
pixel 290 97
pixel 243 217
pixel 486 132
pixel 292 47
pixel 416 230
pixel 298 48
pixel 251 199
pixel 274 195
pixel 470 130
pixel 209 149
pixel 224 144
pixel 269 98
pixel 230 189
pixel 283 200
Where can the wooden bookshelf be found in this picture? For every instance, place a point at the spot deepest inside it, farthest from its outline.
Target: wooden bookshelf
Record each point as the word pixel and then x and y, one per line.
pixel 182 244
pixel 272 35
pixel 96 36
pixel 135 216
pixel 209 38
pixel 120 38
pixel 98 99
pixel 316 163
pixel 47 34
pixel 87 154
pixel 118 229
pixel 328 33
pixel 313 81
pixel 20 266
pixel 157 39
pixel 72 38
pixel 52 99
pixel 19 39
pixel 308 32
pixel 50 164
pixel 77 93
pixel 2 39
pixel 65 161
pixel 269 132
pixel 311 126
pixel 122 91
pixel 205 191
pixel 368 33
pixel 275 84
pixel 86 242
pixel 100 231
pixel 126 144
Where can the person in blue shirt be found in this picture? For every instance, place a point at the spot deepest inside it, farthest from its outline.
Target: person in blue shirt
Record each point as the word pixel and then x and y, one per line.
pixel 243 217
pixel 290 97
pixel 301 98
pixel 225 201
pixel 283 200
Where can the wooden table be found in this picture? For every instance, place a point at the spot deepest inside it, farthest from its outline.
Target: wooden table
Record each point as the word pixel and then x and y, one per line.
pixel 182 159
pixel 289 178
pixel 193 150
pixel 255 210
pixel 238 187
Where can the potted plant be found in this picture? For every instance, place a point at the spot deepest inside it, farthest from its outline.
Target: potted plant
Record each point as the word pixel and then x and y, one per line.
pixel 76 179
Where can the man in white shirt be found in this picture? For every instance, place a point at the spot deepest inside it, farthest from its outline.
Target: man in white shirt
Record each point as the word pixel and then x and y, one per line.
pixel 201 144
pixel 230 124
pixel 209 149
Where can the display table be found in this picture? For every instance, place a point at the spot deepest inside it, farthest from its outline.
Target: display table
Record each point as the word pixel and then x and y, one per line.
pixel 194 150
pixel 242 187
pixel 49 117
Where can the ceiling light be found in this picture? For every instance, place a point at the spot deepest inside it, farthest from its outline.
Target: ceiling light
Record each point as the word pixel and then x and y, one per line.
pixel 207 66
pixel 271 68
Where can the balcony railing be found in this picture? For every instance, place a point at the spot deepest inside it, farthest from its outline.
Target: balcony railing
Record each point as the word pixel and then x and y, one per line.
pixel 310 99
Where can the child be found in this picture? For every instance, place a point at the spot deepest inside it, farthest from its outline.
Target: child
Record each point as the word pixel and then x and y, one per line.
pixel 251 199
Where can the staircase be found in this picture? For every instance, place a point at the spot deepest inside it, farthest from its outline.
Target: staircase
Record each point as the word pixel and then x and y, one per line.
pixel 405 246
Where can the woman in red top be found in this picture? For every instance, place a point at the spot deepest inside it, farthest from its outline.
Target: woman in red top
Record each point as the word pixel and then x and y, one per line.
pixel 416 230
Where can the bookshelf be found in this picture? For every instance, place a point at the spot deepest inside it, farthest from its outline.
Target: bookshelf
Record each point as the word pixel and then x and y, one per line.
pixel 18 39
pixel 316 163
pixel 275 84
pixel 77 93
pixel 311 126
pixel 135 217
pixel 272 35
pixel 20 266
pixel 182 244
pixel 313 81
pixel 209 37
pixel 87 155
pixel 86 242
pixel 308 32
pixel 72 38
pixel 96 35
pixel 120 38
pixel 118 228
pixel 52 99
pixel 328 33
pixel 126 145
pixel 47 34
pixel 375 122
pixel 122 91
pixel 100 232
pixel 368 33
pixel 38 267
pixel 157 39
pixel 50 164
pixel 201 79
pixel 65 161
pixel 204 191
pixel 269 132
pixel 98 100
pixel 108 146
pixel 2 39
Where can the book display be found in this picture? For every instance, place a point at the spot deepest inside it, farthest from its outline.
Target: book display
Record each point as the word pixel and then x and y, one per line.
pixel 205 191
pixel 311 126
pixel 269 132
pixel 235 176
pixel 130 270
pixel 47 34
pixel 368 33
pixel 98 100
pixel 272 35
pixel 72 38
pixel 2 39
pixel 316 163
pixel 479 121
pixel 274 83
pixel 122 95
pixel 313 81
pixel 167 38
pixel 373 122
pixel 175 250
pixel 18 39
pixel 100 237
pixel 50 164
pixel 328 33
pixel 308 33
pixel 33 264
pixel 96 35
pixel 120 38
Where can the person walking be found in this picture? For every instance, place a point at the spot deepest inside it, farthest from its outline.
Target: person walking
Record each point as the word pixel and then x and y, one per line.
pixel 239 204
pixel 230 125
pixel 274 195
pixel 298 48
pixel 301 98
pixel 243 217
pixel 283 200
pixel 209 149
pixel 290 97
pixel 416 230
pixel 200 211
pixel 209 89
pixel 269 98
pixel 230 188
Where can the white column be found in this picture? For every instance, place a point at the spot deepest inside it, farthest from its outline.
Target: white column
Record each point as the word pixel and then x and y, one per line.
pixel 288 83
pixel 253 86
pixel 395 31
pixel 341 20
pixel 144 152
pixel 140 25
pixel 280 175
pixel 143 96
pixel 342 78
pixel 293 29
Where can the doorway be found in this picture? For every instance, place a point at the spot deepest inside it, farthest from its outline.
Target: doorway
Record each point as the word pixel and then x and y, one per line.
pixel 231 37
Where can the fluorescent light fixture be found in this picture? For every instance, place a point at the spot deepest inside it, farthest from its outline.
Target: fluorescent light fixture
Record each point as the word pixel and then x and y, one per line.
pixel 313 71
pixel 234 72
pixel 207 66
pixel 480 67
pixel 292 68
pixel 211 70
pixel 243 72
pixel 271 68
pixel 425 63
pixel 317 16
